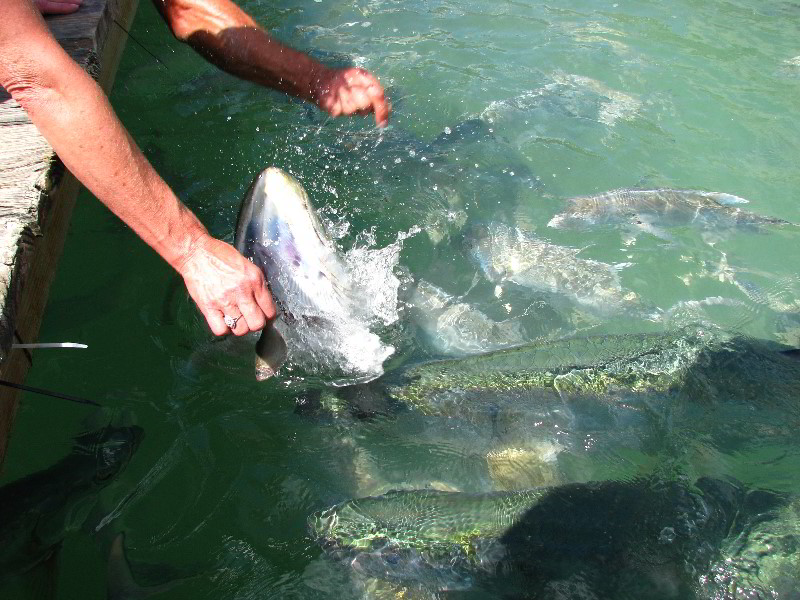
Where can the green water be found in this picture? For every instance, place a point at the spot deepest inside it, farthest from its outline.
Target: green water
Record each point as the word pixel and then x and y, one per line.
pixel 581 98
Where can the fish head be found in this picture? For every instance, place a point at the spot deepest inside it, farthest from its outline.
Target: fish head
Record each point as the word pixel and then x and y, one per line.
pixel 324 323
pixel 372 537
pixel 111 448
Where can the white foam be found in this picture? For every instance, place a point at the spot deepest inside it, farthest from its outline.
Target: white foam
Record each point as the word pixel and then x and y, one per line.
pixel 345 346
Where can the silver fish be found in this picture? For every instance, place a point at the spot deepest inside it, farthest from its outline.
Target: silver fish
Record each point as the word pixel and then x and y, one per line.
pixel 510 254
pixel 321 315
pixel 649 210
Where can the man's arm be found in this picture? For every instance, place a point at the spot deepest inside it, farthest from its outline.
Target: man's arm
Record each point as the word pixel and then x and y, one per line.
pixel 74 115
pixel 232 40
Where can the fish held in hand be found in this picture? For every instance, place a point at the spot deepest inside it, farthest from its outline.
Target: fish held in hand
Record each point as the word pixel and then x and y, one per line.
pixel 322 325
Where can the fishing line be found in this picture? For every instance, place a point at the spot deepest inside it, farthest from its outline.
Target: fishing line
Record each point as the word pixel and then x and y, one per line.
pixel 142 46
pixel 35 390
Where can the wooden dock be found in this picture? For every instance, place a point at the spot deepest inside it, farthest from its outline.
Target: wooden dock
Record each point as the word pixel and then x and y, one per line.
pixel 37 195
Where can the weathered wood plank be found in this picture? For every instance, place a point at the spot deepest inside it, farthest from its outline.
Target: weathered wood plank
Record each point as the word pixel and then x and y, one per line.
pixel 37 195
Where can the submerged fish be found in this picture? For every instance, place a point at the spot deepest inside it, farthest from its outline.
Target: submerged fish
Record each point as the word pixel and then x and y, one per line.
pixel 456 328
pixel 649 210
pixel 39 509
pixel 322 313
pixel 646 538
pixel 654 392
pixel 516 391
pixel 510 254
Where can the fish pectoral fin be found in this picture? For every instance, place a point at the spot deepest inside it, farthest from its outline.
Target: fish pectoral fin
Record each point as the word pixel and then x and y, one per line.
pixel 271 353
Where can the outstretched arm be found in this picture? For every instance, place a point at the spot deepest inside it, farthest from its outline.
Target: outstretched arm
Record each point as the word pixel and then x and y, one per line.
pixel 232 40
pixel 64 102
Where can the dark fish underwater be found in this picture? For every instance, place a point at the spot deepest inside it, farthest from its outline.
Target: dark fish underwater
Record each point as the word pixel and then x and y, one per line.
pixel 40 509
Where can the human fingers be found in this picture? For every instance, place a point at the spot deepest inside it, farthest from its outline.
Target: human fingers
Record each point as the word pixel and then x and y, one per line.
pixel 265 302
pixel 255 301
pixel 215 321
pixel 373 97
pixel 253 317
pixel 380 106
pixel 58 7
pixel 354 100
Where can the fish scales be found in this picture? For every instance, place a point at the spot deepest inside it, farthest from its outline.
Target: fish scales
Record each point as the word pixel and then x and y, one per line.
pixel 595 363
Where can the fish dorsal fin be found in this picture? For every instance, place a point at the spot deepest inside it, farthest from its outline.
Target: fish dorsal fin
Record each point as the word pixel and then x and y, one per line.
pixel 121 584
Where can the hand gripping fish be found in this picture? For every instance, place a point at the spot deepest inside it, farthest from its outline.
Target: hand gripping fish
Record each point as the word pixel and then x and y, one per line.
pixel 322 325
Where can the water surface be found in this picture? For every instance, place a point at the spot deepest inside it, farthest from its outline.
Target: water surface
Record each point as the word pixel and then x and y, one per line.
pixel 531 104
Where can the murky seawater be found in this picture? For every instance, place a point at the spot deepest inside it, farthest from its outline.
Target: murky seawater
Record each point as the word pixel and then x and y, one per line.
pixel 502 112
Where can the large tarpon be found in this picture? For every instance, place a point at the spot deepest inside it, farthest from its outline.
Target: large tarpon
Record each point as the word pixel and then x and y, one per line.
pixel 509 254
pixel 37 511
pixel 646 538
pixel 647 211
pixel 705 365
pixel 649 392
pixel 322 313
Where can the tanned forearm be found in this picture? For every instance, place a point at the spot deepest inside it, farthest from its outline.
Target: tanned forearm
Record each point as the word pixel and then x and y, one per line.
pixel 232 40
pixel 73 114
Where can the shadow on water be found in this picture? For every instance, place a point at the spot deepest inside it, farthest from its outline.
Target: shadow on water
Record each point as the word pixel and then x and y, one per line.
pixel 639 539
